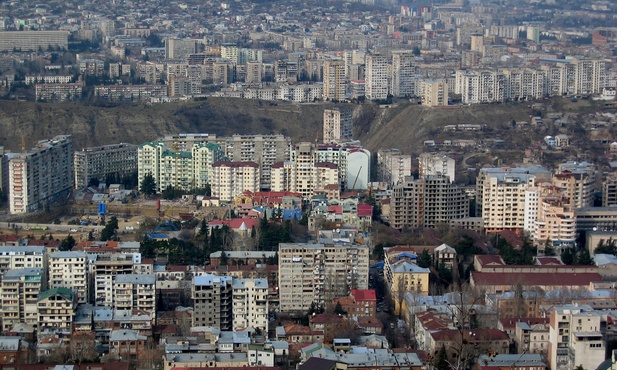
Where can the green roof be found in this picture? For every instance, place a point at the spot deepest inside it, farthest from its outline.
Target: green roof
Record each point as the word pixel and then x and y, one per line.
pixel 66 293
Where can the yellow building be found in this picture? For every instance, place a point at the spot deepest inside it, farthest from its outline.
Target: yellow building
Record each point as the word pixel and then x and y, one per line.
pixel 403 275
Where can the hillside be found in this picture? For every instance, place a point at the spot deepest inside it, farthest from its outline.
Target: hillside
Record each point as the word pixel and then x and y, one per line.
pixel 404 127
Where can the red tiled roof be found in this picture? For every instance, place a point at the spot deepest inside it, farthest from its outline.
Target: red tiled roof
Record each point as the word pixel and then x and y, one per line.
pixel 235 223
pixel 369 322
pixel 531 279
pixel 474 335
pixel 365 210
pixel 325 318
pixel 336 209
pixel 326 165
pixel 364 294
pixel 486 259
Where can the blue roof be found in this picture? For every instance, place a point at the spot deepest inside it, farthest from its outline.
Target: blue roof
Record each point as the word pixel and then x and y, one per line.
pixel 289 214
pixel 157 236
pixel 407 254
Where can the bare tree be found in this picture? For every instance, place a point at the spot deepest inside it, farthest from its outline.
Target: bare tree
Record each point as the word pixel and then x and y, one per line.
pixel 150 359
pixel 83 348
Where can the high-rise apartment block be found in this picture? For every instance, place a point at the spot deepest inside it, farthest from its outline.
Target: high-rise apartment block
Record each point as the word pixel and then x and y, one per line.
pixel 135 292
pixel 70 270
pixel 231 179
pixel 435 164
pixel 376 77
pixel 337 126
pixel 265 150
pixel 427 202
pixel 212 301
pixel 33 40
pixel 393 165
pixel 102 161
pixel 318 273
pixel 403 73
pixel 250 304
pixel 577 182
pixel 179 48
pixel 434 93
pixel 20 290
pixel 42 175
pixel 56 311
pixel 334 87
pixel 177 167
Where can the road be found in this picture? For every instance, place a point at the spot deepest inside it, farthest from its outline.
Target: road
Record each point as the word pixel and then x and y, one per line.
pixel 50 227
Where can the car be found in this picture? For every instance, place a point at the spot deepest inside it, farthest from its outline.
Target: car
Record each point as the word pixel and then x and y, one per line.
pixel 73 230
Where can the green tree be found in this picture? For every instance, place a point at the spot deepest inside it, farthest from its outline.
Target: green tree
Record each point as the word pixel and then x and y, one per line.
pixel 110 228
pixel 440 361
pixel 606 247
pixel 338 309
pixel 425 259
pixel 567 256
pixel 67 244
pixel 583 258
pixel 148 185
pixel 224 259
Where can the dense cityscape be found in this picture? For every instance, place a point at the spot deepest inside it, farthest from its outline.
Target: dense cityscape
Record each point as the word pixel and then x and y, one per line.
pixel 455 207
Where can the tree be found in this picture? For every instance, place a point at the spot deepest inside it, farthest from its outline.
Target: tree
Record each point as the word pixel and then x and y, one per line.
pixel 110 229
pixel 425 259
pixel 440 361
pixel 606 247
pixel 338 309
pixel 82 348
pixel 567 256
pixel 583 258
pixel 148 185
pixel 67 244
pixel 224 260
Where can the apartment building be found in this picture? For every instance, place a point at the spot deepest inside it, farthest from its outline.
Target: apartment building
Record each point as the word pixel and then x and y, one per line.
pixel 482 86
pixel 434 93
pixel 254 72
pixel 555 224
pixel 609 191
pixel 265 150
pixel 436 164
pixel 334 87
pixel 212 301
pixel 231 179
pixel 101 161
pixel 179 48
pixel 319 273
pixel 33 40
pixel 403 73
pixel 22 257
pixel 56 311
pixel 426 202
pixel 337 126
pixel 58 92
pixel 105 268
pixel 135 292
pixel 70 270
pixel 20 290
pixel 577 182
pixel 176 166
pixel 131 93
pixel 306 178
pixel 250 304
pixel 576 337
pixel 376 69
pixel 503 201
pixel 402 274
pixel 41 176
pixel 393 165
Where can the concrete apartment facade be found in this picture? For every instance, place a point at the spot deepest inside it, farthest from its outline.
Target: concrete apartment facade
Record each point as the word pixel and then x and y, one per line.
pixel 70 270
pixel 319 273
pixel 41 175
pixel 101 161
pixel 231 179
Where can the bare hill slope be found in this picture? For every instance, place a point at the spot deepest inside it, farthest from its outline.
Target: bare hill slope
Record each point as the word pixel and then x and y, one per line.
pixel 404 127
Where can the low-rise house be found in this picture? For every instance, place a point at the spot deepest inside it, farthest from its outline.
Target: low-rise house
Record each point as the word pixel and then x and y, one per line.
pixel 127 345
